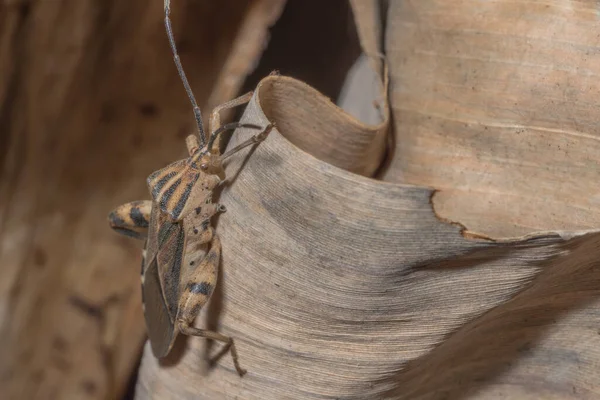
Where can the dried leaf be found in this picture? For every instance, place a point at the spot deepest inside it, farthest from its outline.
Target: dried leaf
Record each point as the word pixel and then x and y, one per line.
pixel 339 286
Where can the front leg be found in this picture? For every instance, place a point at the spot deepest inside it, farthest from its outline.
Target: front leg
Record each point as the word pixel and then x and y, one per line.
pixel 253 140
pixel 131 219
pixel 215 117
pixel 196 294
pixel 192 144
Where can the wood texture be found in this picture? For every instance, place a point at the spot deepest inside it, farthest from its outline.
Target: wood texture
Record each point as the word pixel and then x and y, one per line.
pixel 340 286
pixel 90 103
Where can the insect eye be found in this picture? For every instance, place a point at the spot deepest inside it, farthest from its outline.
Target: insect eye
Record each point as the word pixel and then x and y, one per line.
pixel 204 166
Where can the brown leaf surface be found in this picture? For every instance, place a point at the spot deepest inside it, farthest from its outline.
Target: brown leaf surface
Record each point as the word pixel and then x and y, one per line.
pixel 335 285
pixel 494 106
pixel 339 286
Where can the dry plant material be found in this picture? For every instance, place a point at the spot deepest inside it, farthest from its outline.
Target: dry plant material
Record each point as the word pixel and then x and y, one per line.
pixel 176 223
pixel 340 286
pixel 497 111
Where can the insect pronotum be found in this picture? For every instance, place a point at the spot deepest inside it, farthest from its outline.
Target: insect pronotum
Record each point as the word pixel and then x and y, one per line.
pixel 176 222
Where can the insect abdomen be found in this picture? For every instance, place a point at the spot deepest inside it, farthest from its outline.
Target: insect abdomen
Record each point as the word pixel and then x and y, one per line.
pixel 131 219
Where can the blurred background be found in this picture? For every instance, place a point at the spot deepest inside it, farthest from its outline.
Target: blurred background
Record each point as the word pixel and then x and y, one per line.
pixel 493 103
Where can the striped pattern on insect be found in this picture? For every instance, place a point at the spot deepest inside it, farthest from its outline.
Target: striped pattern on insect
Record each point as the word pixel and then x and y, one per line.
pixel 175 225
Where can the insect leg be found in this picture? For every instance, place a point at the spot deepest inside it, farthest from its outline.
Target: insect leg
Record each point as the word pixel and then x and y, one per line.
pixel 253 140
pixel 202 279
pixel 229 344
pixel 227 127
pixel 192 144
pixel 196 294
pixel 215 116
pixel 131 219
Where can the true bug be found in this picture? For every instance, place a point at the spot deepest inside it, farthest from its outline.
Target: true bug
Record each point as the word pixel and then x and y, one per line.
pixel 176 222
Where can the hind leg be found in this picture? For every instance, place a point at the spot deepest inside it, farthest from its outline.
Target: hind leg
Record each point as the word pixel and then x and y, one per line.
pixel 131 219
pixel 229 344
pixel 197 292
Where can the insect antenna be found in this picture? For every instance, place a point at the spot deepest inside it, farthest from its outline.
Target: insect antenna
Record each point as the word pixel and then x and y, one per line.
pixel 186 84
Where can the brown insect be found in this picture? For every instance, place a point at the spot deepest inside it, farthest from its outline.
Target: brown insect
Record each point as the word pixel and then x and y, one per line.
pixel 176 224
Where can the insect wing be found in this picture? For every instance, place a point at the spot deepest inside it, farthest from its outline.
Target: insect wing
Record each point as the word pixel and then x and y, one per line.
pixel 152 239
pixel 161 330
pixel 171 245
pixel 164 253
